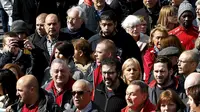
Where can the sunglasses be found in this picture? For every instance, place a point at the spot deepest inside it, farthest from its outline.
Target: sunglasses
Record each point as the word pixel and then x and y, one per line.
pixel 79 92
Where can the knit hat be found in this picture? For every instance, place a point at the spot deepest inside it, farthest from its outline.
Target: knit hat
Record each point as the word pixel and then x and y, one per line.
pixel 185 6
pixel 19 26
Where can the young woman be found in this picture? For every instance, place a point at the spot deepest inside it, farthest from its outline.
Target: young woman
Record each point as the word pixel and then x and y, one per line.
pixel 194 98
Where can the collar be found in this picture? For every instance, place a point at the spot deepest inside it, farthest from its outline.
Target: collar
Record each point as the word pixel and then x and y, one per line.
pixel 175 82
pixel 18 55
pixel 87 108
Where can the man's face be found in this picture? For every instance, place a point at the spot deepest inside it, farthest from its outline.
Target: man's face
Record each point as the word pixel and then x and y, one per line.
pixel 184 64
pixel 150 3
pixel 186 19
pixel 134 97
pixel 81 95
pixel 109 74
pixel 74 22
pixel 101 53
pixel 40 27
pixel 23 92
pixel 52 25
pixel 107 27
pixel 161 73
pixel 60 73
pixel 99 4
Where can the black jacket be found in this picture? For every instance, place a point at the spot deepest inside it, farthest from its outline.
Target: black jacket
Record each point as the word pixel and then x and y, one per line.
pixel 126 45
pixel 110 104
pixel 46 104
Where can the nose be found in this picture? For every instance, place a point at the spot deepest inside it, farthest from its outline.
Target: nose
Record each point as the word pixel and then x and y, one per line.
pixel 17 94
pixel 186 18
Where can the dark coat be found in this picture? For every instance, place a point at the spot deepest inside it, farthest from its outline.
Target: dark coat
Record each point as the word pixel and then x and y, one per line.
pixel 46 104
pixel 110 104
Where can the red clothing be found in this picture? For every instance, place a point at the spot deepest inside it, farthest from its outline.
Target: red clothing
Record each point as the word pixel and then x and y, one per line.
pixel 88 2
pixel 187 37
pixel 97 76
pixel 34 108
pixel 59 96
pixel 148 107
pixel 148 60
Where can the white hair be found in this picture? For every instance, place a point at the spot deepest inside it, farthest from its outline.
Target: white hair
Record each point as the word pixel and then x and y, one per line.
pixel 197 3
pixel 130 21
pixel 81 12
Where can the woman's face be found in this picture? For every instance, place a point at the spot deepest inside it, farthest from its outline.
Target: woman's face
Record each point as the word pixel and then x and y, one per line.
pixel 193 106
pixel 134 31
pixel 131 72
pixel 58 54
pixel 169 107
pixel 143 27
pixel 157 36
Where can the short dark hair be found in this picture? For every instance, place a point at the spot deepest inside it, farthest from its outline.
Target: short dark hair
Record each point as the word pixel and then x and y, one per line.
pixel 108 15
pixel 143 86
pixel 112 61
pixel 164 59
pixel 194 92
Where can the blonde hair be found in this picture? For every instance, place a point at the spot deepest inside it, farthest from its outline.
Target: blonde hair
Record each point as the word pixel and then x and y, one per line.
pixel 164 13
pixel 157 28
pixel 128 62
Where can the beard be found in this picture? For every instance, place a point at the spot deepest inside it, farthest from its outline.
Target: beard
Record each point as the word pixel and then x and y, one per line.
pixel 110 82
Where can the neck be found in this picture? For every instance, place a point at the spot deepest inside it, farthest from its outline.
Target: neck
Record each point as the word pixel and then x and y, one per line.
pixel 136 38
pixel 59 87
pixel 51 37
pixel 168 83
pixel 83 61
pixel 35 98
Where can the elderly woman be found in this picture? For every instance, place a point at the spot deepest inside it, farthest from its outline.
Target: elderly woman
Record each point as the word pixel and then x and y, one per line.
pixel 196 22
pixel 132 25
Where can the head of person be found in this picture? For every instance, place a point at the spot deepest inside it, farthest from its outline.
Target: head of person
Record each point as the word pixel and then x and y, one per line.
pixel 156 35
pixel 20 27
pixel 52 25
pixel 81 93
pixel 108 23
pixel 191 80
pixel 197 44
pixel 197 4
pixel 10 39
pixel 105 48
pixel 172 40
pixel 150 3
pixel 132 26
pixel 176 3
pixel 143 25
pixel 172 53
pixel 136 94
pixel 15 69
pixel 40 20
pixel 99 4
pixel 82 50
pixel 60 72
pixel 187 62
pixel 28 89
pixel 169 101
pixel 168 17
pixel 131 70
pixel 60 49
pixel 75 18
pixel 194 98
pixel 8 84
pixel 162 70
pixel 110 68
pixel 186 14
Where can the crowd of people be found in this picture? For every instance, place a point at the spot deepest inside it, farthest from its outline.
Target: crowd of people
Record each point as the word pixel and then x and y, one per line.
pixel 100 56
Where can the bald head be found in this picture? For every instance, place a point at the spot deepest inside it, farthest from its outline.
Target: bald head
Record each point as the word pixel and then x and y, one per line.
pixel 83 84
pixel 192 80
pixel 51 16
pixel 28 81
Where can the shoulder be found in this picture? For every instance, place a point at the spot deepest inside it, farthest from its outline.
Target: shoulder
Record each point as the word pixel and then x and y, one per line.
pixel 94 38
pixel 175 30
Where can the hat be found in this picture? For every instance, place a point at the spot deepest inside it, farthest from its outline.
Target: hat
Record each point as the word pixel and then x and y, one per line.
pixel 19 26
pixel 185 6
pixel 169 51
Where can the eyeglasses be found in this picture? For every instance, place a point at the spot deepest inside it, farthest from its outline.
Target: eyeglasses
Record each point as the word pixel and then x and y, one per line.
pixel 79 93
pixel 181 61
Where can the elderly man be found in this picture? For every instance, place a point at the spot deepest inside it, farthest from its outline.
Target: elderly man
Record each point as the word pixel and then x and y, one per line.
pixel 137 98
pixel 32 98
pixel 110 93
pixel 82 94
pixel 61 84
pixel 75 29
pixel 186 31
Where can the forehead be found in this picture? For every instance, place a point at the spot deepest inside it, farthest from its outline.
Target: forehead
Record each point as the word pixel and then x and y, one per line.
pixel 184 56
pixel 158 33
pixel 108 67
pixel 133 88
pixel 73 12
pixel 100 47
pixel 160 66
pixel 79 86
pixel 58 66
pixel 187 13
pixel 51 19
pixel 106 22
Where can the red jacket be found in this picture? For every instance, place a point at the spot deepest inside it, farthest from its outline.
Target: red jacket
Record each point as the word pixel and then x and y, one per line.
pixel 148 107
pixel 148 60
pixel 187 37
pixel 97 76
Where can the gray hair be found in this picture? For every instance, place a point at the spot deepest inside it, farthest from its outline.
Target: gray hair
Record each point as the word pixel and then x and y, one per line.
pixel 58 60
pixel 143 86
pixel 197 3
pixel 130 21
pixel 81 12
